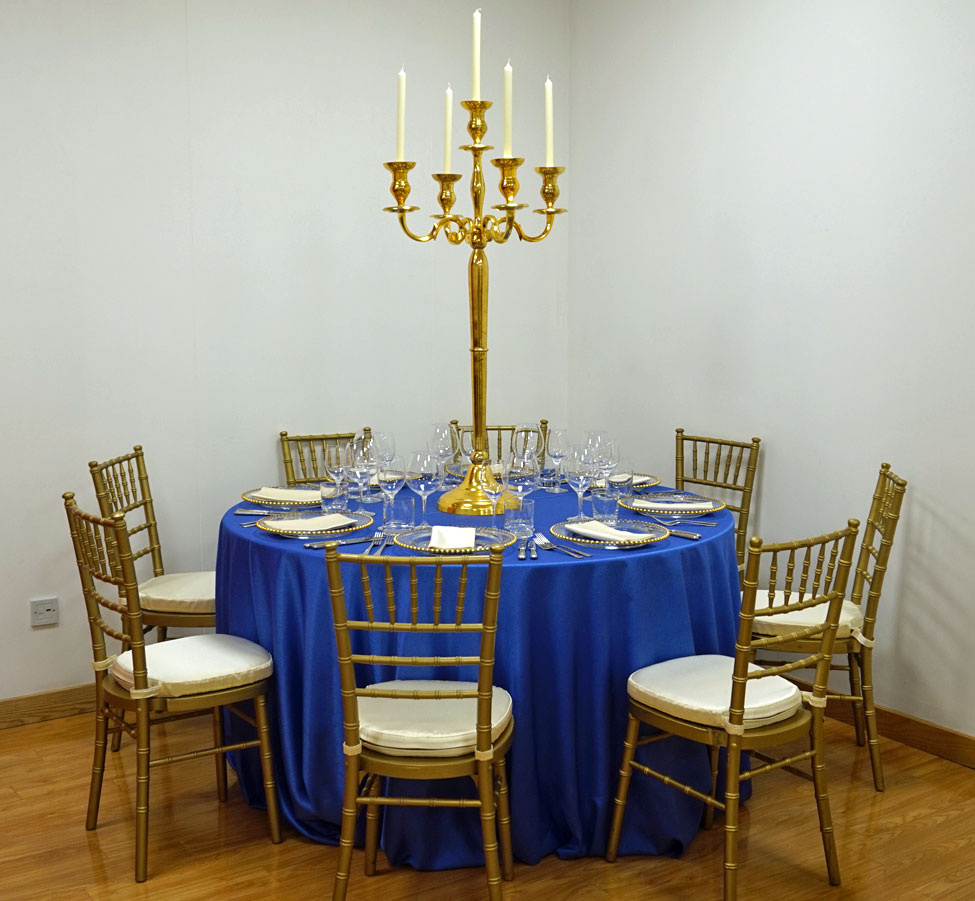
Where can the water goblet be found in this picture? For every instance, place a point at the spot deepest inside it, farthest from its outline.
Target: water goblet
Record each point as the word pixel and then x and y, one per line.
pixel 362 467
pixel 335 457
pixel 391 477
pixel 523 475
pixel 580 472
pixel 384 445
pixel 442 444
pixel 424 477
pixel 526 439
pixel 558 447
pixel 497 486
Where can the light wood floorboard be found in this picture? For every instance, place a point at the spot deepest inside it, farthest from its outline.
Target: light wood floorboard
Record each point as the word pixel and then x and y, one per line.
pixel 914 841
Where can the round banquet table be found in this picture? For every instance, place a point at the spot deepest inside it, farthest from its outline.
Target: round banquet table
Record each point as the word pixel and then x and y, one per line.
pixel 569 634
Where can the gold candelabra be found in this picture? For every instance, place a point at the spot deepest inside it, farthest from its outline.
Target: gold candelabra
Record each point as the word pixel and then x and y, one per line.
pixel 478 230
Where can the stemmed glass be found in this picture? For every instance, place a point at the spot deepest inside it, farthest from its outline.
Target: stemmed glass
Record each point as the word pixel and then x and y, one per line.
pixel 526 439
pixel 362 466
pixel 384 446
pixel 495 489
pixel 442 444
pixel 523 475
pixel 424 477
pixel 558 447
pixel 580 472
pixel 461 441
pixel 602 451
pixel 391 478
pixel 335 459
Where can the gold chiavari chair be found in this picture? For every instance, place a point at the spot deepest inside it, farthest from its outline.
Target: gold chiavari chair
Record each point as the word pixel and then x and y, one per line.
pixel 689 696
pixel 724 464
pixel 499 438
pixel 855 634
pixel 161 682
pixel 421 729
pixel 168 599
pixel 304 456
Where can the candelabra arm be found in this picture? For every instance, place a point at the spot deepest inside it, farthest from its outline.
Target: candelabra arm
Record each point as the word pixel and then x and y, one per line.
pixel 443 224
pixel 549 220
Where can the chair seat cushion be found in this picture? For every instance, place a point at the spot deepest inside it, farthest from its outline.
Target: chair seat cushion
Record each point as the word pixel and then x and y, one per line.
pixel 851 617
pixel 427 727
pixel 180 593
pixel 699 689
pixel 198 663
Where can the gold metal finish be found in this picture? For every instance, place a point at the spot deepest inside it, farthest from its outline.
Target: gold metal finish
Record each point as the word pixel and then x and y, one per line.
pixel 108 582
pixel 813 573
pixel 425 608
pixel 122 486
pixel 304 456
pixel 724 464
pixel 477 230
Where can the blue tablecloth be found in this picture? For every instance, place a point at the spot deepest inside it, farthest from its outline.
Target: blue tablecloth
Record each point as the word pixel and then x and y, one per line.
pixel 570 633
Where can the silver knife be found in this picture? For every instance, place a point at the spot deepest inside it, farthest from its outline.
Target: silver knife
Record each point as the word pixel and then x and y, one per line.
pixel 318 545
pixel 531 550
pixel 694 536
pixel 521 548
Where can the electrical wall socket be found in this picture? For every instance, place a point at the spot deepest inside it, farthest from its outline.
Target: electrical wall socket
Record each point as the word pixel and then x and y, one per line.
pixel 44 612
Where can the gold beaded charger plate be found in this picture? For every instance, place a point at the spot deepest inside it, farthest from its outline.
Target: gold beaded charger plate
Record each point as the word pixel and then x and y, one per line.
pixel 628 532
pixel 283 496
pixel 303 523
pixel 671 503
pixel 484 537
pixel 641 480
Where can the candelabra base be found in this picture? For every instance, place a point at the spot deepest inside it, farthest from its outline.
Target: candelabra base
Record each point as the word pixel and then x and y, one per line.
pixel 470 499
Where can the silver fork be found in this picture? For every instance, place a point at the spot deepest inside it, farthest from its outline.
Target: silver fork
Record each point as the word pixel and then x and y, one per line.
pixel 669 521
pixel 377 539
pixel 543 542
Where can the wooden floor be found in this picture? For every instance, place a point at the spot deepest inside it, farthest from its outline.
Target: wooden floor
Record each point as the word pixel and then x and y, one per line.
pixel 916 840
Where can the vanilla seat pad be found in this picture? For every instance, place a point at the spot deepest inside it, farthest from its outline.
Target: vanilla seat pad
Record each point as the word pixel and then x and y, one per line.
pixel 198 663
pixel 427 728
pixel 851 618
pixel 699 689
pixel 180 593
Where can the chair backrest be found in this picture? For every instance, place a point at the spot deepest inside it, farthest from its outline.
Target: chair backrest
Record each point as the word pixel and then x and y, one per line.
pixel 426 615
pixel 304 456
pixel 108 583
pixel 878 538
pixel 499 438
pixel 724 464
pixel 802 574
pixel 122 486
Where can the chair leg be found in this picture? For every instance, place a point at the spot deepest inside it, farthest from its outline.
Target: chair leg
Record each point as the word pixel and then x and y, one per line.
pixel 372 826
pixel 623 787
pixel 732 796
pixel 161 633
pixel 267 768
pixel 97 766
pixel 857 692
pixel 822 796
pixel 713 757
pixel 347 834
pixel 219 759
pixel 870 720
pixel 489 834
pixel 504 821
pixel 117 735
pixel 141 792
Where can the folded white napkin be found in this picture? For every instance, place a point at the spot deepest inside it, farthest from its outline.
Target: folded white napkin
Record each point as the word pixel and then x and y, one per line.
pixel 311 523
pixel 452 537
pixel 649 503
pixel 601 532
pixel 267 493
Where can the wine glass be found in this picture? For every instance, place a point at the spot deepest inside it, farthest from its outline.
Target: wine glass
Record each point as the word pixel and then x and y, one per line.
pixel 335 457
pixel 391 477
pixel 526 439
pixel 496 487
pixel 442 444
pixel 580 472
pixel 558 447
pixel 424 477
pixel 362 466
pixel 384 446
pixel 523 475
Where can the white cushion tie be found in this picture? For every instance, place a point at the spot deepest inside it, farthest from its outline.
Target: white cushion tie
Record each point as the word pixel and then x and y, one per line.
pixel 809 698
pixel 99 665
pixel 861 638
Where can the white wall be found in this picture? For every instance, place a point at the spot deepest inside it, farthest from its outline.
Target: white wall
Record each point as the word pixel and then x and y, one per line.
pixel 191 209
pixel 772 206
pixel 192 199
